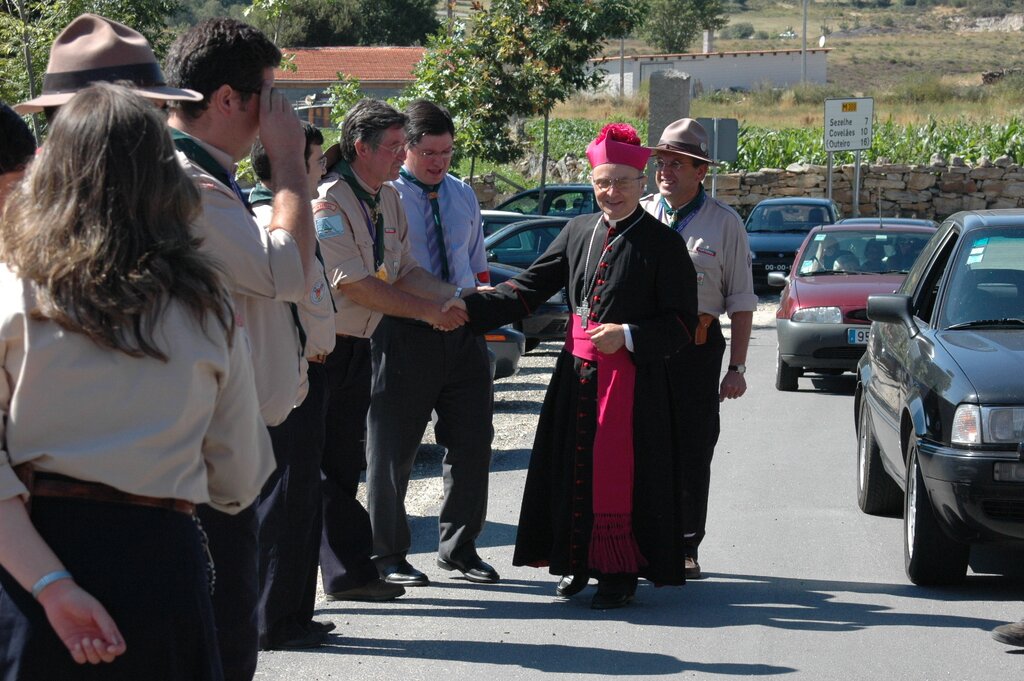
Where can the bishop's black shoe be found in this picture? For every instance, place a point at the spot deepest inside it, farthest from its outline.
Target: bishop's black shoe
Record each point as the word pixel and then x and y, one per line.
pixel 570 585
pixel 614 592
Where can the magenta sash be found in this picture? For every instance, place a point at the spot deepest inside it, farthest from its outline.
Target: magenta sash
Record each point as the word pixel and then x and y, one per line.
pixel 613 546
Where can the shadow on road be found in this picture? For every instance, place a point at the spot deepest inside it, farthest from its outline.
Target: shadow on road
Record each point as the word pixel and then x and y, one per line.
pixel 722 600
pixel 549 658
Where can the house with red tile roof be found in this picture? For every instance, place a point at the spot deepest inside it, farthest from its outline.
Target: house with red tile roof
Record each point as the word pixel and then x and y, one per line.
pixel 382 72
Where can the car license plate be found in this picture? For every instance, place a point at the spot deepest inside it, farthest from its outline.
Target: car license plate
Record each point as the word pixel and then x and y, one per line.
pixel 1007 471
pixel 857 336
pixel 776 268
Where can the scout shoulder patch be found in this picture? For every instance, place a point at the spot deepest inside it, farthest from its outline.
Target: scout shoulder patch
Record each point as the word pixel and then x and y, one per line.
pixel 329 226
pixel 318 292
pixel 323 204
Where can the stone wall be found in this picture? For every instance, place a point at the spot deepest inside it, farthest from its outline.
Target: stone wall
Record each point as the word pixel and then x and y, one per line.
pixel 936 190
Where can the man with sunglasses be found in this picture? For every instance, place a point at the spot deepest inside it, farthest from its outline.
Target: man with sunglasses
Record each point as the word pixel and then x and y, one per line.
pixel 232 65
pixel 430 369
pixel 364 237
pixel 718 247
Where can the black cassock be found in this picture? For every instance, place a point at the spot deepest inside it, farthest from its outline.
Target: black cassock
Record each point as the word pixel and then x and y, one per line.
pixel 645 280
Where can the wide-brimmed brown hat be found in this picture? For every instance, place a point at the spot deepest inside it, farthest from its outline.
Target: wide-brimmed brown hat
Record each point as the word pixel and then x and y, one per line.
pixel 688 137
pixel 93 48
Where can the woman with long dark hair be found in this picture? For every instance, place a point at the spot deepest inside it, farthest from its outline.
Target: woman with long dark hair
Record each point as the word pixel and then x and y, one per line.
pixel 126 399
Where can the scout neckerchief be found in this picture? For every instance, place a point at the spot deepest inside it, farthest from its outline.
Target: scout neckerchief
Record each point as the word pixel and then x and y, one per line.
pixel 372 201
pixel 435 208
pixel 682 216
pixel 187 145
pixel 260 194
pixel 202 158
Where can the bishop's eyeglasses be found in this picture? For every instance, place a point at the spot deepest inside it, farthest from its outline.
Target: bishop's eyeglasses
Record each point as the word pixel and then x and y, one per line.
pixel 606 183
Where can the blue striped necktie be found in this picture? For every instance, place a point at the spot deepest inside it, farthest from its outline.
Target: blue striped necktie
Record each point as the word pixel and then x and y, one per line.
pixel 435 237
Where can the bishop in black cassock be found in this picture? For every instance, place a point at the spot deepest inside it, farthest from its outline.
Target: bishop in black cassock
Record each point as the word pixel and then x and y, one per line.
pixel 603 491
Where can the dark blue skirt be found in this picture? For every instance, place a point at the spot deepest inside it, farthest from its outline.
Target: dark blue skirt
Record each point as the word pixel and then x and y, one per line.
pixel 146 566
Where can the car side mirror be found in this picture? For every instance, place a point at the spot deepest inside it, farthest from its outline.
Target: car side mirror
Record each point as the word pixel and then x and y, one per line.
pixel 893 308
pixel 778 279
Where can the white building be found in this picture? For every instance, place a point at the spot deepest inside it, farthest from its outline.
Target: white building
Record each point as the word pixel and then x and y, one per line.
pixel 711 71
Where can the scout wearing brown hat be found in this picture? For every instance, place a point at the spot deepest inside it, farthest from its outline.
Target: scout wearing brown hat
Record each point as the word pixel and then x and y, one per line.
pixel 718 247
pixel 687 137
pixel 93 48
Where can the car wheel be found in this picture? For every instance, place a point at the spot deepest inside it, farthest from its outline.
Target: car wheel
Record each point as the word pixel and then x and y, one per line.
pixel 785 375
pixel 532 343
pixel 877 493
pixel 930 557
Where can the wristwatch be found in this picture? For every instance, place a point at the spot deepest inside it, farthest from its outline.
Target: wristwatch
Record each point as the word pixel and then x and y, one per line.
pixel 738 368
pixel 458 292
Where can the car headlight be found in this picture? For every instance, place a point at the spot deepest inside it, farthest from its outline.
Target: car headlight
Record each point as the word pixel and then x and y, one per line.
pixel 819 315
pixel 990 425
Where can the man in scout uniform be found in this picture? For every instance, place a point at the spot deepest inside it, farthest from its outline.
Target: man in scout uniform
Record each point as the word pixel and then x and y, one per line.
pixel 364 238
pixel 718 247
pixel 232 65
pixel 442 371
pixel 289 505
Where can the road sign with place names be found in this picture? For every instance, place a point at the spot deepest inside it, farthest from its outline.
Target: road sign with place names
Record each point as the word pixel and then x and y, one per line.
pixel 848 123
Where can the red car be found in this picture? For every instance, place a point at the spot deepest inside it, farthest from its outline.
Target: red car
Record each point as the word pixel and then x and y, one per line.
pixel 822 322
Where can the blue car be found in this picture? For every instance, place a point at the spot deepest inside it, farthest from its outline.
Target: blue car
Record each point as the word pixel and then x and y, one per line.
pixel 939 403
pixel 777 227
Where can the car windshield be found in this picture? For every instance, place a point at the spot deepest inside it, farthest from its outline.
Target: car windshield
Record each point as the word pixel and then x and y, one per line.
pixel 787 218
pixel 870 251
pixel 987 284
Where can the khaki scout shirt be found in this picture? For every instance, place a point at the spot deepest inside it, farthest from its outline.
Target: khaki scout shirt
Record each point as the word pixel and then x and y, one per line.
pixel 316 311
pixel 344 227
pixel 264 274
pixel 718 247
pixel 188 428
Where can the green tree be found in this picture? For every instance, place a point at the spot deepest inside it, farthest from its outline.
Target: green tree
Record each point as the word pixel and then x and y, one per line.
pixel 396 22
pixel 28 28
pixel 520 59
pixel 306 23
pixel 673 25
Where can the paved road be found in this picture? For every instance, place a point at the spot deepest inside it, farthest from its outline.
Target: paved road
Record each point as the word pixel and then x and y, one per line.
pixel 801 584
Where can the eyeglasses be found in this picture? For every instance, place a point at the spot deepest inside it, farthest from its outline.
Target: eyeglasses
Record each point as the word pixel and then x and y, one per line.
pixel 396 150
pixel 674 166
pixel 606 183
pixel 429 155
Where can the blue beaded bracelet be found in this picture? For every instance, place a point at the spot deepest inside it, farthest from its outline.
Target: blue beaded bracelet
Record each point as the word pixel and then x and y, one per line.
pixel 48 579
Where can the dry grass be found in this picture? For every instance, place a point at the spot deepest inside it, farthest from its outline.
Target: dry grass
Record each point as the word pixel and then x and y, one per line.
pixel 875 53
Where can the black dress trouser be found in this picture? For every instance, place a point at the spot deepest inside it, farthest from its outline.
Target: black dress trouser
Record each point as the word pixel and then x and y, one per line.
pixel 702 368
pixel 346 540
pixel 416 370
pixel 290 517
pixel 234 545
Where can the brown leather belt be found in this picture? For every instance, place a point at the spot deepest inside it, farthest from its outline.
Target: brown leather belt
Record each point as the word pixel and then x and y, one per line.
pixel 704 320
pixel 59 486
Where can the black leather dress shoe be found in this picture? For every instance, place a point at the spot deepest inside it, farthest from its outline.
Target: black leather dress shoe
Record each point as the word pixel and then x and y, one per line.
pixel 474 569
pixel 299 640
pixel 614 592
pixel 321 626
pixel 404 574
pixel 570 585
